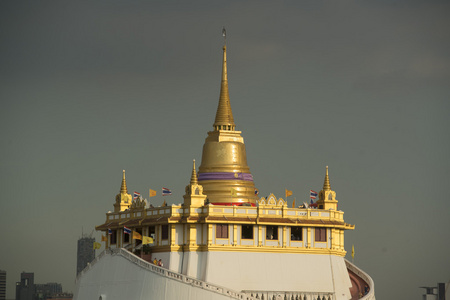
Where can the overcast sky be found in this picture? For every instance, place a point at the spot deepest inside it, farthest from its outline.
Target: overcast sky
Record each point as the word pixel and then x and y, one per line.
pixel 89 88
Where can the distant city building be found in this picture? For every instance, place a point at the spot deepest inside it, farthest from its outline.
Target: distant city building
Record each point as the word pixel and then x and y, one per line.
pixel 25 287
pixel 85 252
pixel 63 296
pixel 47 290
pixel 439 292
pixel 2 285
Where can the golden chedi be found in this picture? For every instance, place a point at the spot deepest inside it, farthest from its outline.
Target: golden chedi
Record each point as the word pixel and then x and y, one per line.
pixel 123 199
pixel 327 197
pixel 224 173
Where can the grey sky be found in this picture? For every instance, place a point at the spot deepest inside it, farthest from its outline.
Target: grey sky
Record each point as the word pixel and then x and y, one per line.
pixel 91 88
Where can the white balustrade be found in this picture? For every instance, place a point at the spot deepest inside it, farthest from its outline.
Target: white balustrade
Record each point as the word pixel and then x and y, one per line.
pixel 167 273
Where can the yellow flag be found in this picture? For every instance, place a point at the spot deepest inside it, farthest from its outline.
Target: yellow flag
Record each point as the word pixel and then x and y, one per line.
pixel 104 238
pixel 137 236
pixel 293 203
pixel 233 192
pixel 152 193
pixel 288 193
pixel 147 240
pixel 97 245
pixel 353 251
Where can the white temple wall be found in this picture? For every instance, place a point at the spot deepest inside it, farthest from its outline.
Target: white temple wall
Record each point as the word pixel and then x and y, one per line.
pixel 342 283
pixel 205 234
pixel 230 233
pixel 239 234
pixel 174 263
pixel 328 238
pixel 278 272
pixel 199 239
pixel 202 262
pixel 115 278
pixel 179 239
pixel 248 242
pixel 191 260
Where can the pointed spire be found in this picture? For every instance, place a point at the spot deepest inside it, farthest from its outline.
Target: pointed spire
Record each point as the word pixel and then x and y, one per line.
pixel 194 175
pixel 326 183
pixel 123 187
pixel 224 116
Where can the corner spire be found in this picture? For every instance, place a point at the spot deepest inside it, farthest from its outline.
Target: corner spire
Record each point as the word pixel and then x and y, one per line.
pixel 123 199
pixel 224 116
pixel 123 187
pixel 194 175
pixel 326 182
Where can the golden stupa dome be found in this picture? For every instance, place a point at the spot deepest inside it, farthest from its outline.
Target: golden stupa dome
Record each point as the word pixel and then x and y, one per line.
pixel 224 173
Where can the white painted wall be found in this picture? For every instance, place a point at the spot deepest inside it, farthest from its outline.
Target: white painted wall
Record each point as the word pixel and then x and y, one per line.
pixel 179 239
pixel 116 278
pixel 279 272
pixel 199 228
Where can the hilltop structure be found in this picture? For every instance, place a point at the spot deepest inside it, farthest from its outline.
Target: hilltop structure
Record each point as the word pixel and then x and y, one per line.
pixel 223 242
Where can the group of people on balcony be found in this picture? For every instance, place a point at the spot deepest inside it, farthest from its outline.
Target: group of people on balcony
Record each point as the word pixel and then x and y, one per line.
pixel 157 262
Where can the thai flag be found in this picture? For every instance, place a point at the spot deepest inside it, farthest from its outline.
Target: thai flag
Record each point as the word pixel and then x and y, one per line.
pixel 109 231
pixel 313 195
pixel 166 192
pixel 126 230
pixel 136 195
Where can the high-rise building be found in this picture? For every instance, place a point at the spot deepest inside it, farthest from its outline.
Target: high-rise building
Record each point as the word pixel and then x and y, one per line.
pixel 25 288
pixel 85 252
pixel 2 285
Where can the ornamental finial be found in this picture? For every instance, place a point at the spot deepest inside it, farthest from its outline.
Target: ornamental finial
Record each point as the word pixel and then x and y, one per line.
pixel 194 175
pixel 224 116
pixel 123 187
pixel 326 183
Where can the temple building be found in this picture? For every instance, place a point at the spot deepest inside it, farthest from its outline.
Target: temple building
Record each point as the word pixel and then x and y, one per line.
pixel 223 241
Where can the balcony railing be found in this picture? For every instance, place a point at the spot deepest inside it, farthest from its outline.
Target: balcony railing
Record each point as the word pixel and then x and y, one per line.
pixel 169 274
pixel 211 210
pixel 279 295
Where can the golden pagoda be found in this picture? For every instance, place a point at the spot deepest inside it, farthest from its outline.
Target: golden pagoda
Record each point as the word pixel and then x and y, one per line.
pixel 256 249
pixel 224 173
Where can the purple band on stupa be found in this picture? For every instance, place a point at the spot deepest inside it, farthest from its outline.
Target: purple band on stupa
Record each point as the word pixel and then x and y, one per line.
pixel 225 176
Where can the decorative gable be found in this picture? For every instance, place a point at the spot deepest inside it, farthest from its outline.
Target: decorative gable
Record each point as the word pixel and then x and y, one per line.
pixel 271 201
